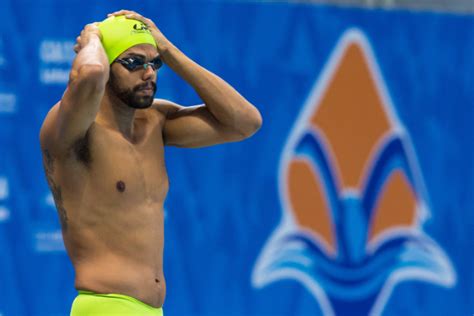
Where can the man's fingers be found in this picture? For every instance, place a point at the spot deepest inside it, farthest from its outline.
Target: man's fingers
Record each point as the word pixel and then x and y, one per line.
pixel 121 12
pixel 131 15
pixel 92 26
pixel 136 16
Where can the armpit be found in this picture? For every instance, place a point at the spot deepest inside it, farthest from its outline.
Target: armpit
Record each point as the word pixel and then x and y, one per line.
pixel 81 149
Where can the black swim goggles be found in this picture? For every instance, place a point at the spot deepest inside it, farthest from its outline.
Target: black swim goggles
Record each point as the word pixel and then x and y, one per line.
pixel 135 63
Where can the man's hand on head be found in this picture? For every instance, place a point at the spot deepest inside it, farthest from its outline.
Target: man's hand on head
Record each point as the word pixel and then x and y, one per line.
pixel 161 41
pixel 89 30
pixel 90 53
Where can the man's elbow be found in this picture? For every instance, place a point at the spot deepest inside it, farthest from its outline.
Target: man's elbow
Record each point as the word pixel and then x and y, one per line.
pixel 252 125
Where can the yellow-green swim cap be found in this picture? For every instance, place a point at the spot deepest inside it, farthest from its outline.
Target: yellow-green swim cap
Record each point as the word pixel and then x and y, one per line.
pixel 119 34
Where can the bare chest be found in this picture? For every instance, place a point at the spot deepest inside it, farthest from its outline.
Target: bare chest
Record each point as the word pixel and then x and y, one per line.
pixel 123 172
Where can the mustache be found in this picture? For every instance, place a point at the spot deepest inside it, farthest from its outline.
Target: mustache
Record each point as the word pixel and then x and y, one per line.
pixel 145 85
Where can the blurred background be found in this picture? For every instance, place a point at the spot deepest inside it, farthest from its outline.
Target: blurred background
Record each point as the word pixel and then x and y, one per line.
pixel 354 198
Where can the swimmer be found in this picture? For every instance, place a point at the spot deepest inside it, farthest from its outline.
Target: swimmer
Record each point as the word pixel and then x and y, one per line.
pixel 103 156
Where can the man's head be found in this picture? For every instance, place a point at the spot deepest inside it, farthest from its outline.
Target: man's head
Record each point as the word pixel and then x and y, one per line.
pixel 133 58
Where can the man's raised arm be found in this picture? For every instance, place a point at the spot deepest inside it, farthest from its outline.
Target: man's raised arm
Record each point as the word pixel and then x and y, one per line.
pixel 69 120
pixel 225 116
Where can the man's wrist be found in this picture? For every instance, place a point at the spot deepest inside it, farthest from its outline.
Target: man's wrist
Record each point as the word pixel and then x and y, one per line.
pixel 164 47
pixel 94 37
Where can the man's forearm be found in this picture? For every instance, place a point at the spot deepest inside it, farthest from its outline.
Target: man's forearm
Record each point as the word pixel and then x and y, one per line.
pixel 230 108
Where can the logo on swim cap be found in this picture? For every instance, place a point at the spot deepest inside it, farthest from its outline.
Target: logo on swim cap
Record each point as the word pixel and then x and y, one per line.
pixel 140 27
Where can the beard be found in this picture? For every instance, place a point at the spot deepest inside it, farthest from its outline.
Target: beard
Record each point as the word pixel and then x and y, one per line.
pixel 132 97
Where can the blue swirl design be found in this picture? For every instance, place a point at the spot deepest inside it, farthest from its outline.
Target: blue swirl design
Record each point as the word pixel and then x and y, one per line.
pixel 353 279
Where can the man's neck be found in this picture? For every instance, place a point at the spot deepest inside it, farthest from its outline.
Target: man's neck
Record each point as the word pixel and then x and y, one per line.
pixel 117 115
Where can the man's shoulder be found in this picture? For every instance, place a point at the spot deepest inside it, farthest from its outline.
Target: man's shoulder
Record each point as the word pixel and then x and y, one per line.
pixel 47 128
pixel 165 108
pixel 50 137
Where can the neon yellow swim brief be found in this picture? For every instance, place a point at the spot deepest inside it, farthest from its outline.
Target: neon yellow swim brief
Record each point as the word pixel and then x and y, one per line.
pixel 95 304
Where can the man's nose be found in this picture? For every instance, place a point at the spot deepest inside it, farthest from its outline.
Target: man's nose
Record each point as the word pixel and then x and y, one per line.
pixel 148 73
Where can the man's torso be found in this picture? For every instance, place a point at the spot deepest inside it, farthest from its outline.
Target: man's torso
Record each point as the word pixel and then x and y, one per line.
pixel 109 193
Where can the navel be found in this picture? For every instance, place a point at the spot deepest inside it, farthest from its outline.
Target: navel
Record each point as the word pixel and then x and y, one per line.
pixel 120 186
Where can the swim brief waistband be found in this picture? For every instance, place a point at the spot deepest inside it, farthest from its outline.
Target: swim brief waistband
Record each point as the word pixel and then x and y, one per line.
pixel 94 304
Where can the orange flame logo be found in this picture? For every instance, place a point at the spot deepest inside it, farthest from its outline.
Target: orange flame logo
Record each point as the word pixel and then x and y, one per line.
pixel 353 199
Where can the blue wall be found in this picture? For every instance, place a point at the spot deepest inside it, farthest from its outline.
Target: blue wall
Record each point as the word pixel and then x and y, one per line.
pixel 224 202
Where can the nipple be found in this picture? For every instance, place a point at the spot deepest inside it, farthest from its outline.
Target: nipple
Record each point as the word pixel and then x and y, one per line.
pixel 120 186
